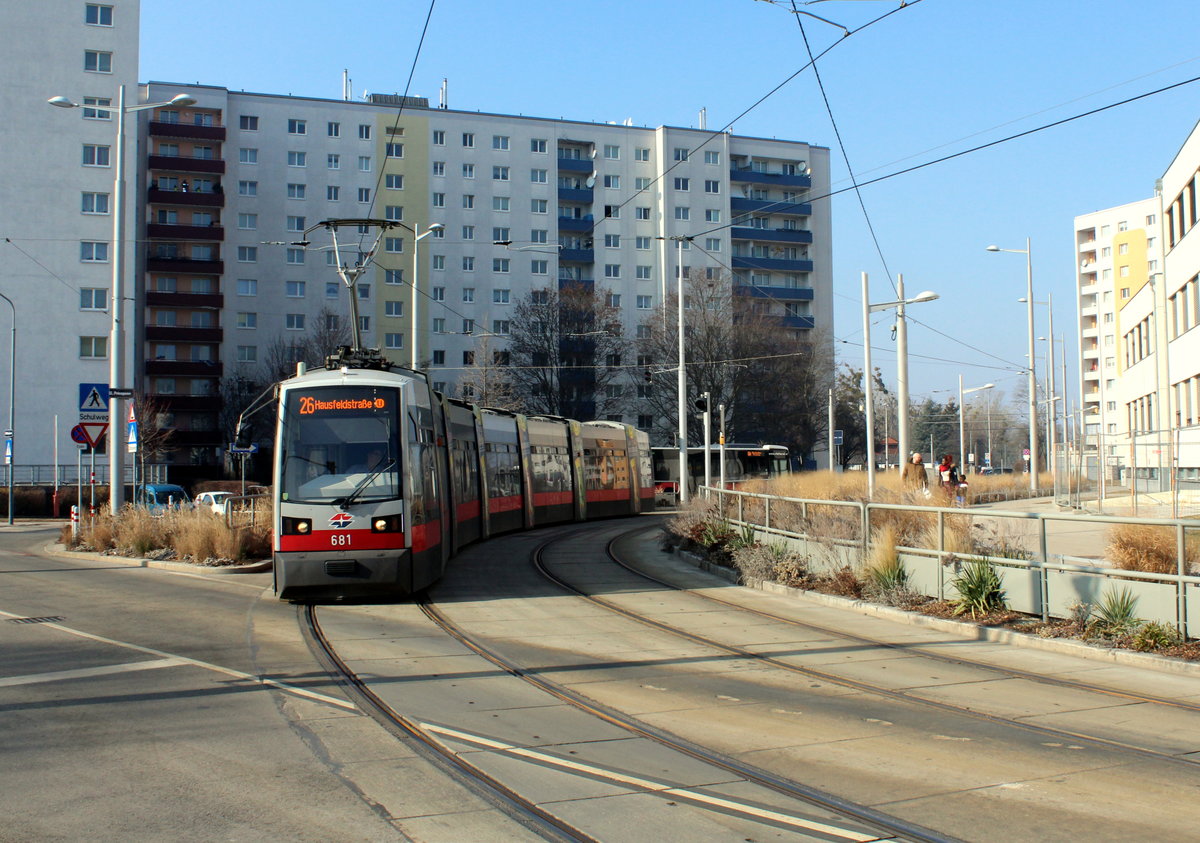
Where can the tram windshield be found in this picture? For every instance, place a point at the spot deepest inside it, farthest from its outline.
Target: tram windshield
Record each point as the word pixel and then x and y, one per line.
pixel 340 443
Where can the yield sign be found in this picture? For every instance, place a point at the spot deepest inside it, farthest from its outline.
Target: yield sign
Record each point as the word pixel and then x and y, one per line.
pixel 93 432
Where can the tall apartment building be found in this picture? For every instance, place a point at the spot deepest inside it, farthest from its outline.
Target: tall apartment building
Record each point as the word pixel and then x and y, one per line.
pixel 232 182
pixel 1139 305
pixel 57 167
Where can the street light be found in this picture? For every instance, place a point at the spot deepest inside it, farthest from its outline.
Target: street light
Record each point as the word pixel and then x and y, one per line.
pixel 116 360
pixel 901 369
pixel 437 226
pixel 1033 437
pixel 1052 422
pixel 962 446
pixel 12 397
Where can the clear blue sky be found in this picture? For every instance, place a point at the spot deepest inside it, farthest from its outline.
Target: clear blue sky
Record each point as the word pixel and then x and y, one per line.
pixel 934 78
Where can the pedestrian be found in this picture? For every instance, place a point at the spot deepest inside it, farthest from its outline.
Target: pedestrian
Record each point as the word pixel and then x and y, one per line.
pixel 914 475
pixel 948 474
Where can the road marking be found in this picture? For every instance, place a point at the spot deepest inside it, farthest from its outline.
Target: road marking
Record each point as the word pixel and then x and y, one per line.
pixel 184 660
pixel 87 672
pixel 752 811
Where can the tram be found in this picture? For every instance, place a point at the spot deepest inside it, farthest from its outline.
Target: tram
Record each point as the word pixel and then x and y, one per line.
pixel 379 479
pixel 743 461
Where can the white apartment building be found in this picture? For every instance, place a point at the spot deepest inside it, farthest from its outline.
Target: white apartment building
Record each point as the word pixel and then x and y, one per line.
pixel 57 168
pixel 523 203
pixel 1139 304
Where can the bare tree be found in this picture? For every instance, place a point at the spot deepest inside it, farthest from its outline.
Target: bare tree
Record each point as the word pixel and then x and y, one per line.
pixel 328 332
pixel 568 352
pixel 154 435
pixel 772 378
pixel 488 379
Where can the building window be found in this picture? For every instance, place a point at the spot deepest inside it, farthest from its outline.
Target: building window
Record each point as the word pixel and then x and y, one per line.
pixel 468 294
pixel 537 176
pixel 247 320
pixel 395 245
pixel 295 257
pixel 395 213
pixel 94 203
pixel 683 212
pixel 612 182
pixel 537 206
pixel 364 163
pixel 93 298
pixel 295 223
pixel 641 153
pixel 712 215
pixel 92 112
pixel 247 287
pixel 364 131
pixel 247 353
pixel 468 200
pixel 438 261
pixel 248 123
pixel 683 183
pixel 500 264
pixel 537 145
pixel 294 321
pixel 500 173
pixel 612 241
pixel 468 171
pixel 612 211
pixel 643 273
pixel 500 203
pixel 93 251
pixel 296 191
pixel 468 327
pixel 97 61
pixel 468 232
pixel 294 289
pixel 93 347
pixel 499 141
pixel 393 341
pixel 333 193
pixel 297 159
pixel 644 302
pixel 393 181
pixel 539 267
pixel 98 15
pixel 468 264
pixel 642 213
pixel 642 244
pixel 393 276
pixel 468 140
pixel 96 156
pixel 681 153
pixel 393 150
pixel 712 157
pixel 364 194
pixel 712 244
pixel 247 254
pixel 712 186
pixel 612 270
pixel 500 326
pixel 297 127
pixel 439 137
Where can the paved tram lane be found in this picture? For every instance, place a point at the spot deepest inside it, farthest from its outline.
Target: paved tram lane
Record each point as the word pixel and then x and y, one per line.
pixel 147 704
pixel 957 747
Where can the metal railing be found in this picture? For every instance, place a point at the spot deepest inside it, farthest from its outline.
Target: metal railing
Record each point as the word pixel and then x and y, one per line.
pixel 1054 582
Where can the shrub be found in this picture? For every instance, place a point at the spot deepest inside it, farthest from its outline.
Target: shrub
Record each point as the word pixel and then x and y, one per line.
pixel 1155 636
pixel 1115 615
pixel 980 589
pixel 762 561
pixel 137 533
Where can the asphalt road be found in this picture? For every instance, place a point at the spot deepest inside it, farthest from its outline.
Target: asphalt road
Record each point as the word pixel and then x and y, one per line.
pixel 144 704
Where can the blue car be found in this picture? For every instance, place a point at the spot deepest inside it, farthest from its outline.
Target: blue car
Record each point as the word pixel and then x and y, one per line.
pixel 159 497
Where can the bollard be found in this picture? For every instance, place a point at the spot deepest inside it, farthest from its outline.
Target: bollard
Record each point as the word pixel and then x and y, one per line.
pixel 74 521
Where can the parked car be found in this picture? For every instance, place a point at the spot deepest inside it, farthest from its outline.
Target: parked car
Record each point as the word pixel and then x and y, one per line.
pixel 159 497
pixel 213 500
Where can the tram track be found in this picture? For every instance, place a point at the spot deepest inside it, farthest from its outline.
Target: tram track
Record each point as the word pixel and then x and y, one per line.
pixel 859 685
pixel 426 740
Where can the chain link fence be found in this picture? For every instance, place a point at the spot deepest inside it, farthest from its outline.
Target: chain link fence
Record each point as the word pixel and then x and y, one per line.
pixel 1150 475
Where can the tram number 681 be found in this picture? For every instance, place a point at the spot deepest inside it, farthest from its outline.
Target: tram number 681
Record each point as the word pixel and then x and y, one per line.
pixel 340 539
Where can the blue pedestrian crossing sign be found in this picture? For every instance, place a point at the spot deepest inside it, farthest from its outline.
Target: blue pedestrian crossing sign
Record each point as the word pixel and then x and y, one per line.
pixel 93 402
pixel 132 441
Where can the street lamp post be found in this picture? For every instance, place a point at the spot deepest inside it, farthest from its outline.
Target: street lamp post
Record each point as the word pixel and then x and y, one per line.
pixel 116 357
pixel 1033 435
pixel 962 445
pixel 437 226
pixel 12 398
pixel 901 370
pixel 682 378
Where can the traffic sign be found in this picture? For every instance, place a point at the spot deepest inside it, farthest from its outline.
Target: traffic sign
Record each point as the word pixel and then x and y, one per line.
pixel 93 398
pixel 113 392
pixel 837 437
pixel 93 432
pixel 132 436
pixel 251 449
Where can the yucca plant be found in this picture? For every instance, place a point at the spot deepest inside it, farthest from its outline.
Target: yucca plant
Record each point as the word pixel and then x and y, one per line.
pixel 980 589
pixel 1116 614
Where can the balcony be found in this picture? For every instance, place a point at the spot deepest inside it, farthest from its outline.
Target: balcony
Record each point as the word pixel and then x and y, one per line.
pixel 584 223
pixel 571 194
pixel 576 256
pixel 159 129
pixel 186 265
pixel 778 293
pixel 184 368
pixel 156 196
pixel 773 235
pixel 187 403
pixel 775 264
pixel 770 206
pixel 184 164
pixel 204 301
pixel 185 232
pixel 799 321
pixel 177 334
pixel 755 177
pixel 575 165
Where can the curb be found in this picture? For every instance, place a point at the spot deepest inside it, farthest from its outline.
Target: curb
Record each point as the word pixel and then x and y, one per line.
pixel 959 629
pixel 58 552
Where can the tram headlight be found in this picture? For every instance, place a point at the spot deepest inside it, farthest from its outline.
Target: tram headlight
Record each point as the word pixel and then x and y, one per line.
pixel 387 524
pixel 297 526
